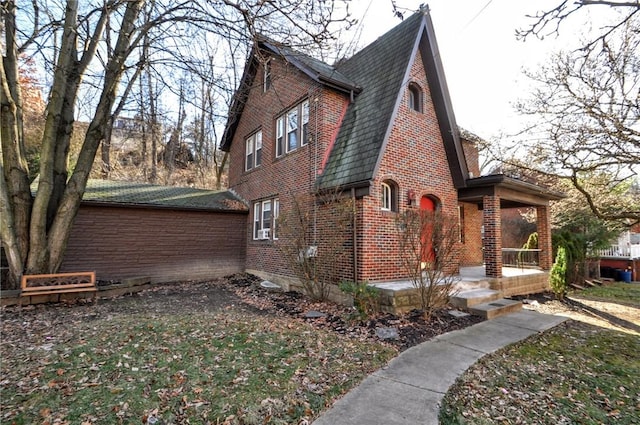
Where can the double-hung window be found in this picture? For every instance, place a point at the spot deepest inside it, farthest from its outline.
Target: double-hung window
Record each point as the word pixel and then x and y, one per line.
pixel 265 215
pixel 253 151
pixel 292 129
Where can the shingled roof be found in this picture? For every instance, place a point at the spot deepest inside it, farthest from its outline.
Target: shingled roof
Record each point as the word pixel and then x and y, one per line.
pixel 382 69
pixel 315 69
pixel 117 193
pixel 376 75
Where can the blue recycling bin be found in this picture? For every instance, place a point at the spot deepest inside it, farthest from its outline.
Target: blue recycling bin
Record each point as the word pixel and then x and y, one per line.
pixel 625 276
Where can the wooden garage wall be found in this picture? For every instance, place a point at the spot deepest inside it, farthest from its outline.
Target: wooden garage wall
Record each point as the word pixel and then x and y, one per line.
pixel 164 245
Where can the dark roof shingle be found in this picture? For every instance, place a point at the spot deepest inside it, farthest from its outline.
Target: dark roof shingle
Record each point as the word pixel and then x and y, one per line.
pixel 147 195
pixel 380 70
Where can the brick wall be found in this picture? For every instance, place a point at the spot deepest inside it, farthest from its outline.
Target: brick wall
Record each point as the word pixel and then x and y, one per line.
pixel 162 244
pixel 289 175
pixel 415 159
pixel 472 158
pixel 492 236
pixel 544 237
pixel 471 254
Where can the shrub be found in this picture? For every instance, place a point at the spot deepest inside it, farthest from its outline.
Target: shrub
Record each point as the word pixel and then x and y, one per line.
pixel 366 298
pixel 558 275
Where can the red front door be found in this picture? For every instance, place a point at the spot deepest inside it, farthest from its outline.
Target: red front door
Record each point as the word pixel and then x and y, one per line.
pixel 427 208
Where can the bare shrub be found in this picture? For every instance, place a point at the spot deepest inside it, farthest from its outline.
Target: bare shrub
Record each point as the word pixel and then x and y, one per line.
pixel 314 238
pixel 428 242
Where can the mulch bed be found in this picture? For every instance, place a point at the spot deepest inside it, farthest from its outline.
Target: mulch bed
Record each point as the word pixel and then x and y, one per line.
pixel 243 292
pixel 412 327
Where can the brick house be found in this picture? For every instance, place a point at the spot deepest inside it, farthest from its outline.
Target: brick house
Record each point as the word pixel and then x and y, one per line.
pixel 378 127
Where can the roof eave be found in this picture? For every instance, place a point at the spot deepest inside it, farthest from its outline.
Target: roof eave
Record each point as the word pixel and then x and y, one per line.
pixel 443 105
pixel 505 181
pixel 134 205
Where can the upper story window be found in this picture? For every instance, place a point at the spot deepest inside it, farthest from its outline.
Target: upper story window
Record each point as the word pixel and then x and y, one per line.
pixel 266 78
pixel 292 129
pixel 253 151
pixel 389 194
pixel 415 97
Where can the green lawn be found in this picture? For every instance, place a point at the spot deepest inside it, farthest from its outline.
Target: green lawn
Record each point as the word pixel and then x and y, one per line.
pixel 628 293
pixel 576 373
pixel 573 374
pixel 196 368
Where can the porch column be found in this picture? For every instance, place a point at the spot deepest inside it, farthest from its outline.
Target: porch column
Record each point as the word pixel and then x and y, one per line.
pixel 492 236
pixel 544 237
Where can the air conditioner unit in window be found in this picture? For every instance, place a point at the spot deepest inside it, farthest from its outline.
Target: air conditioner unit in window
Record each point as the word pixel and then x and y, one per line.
pixel 263 233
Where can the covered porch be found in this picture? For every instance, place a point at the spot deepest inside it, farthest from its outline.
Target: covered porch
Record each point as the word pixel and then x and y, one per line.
pixel 513 280
pixel 494 193
pixel 399 296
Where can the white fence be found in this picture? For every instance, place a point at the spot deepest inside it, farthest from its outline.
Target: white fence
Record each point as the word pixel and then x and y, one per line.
pixel 629 251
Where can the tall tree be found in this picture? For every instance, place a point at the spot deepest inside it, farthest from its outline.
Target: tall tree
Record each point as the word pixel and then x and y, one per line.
pixel 99 43
pixel 548 22
pixel 586 114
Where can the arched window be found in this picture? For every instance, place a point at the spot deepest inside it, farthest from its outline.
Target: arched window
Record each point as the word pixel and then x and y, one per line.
pixel 415 97
pixel 389 196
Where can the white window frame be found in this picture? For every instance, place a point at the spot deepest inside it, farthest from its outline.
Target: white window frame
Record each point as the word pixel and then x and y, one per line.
pixel 292 125
pixel 280 137
pixel 264 219
pixel 253 151
pixel 275 214
pixel 387 194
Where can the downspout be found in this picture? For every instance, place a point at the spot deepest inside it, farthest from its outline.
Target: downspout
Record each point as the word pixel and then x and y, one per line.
pixel 355 235
pixel 315 170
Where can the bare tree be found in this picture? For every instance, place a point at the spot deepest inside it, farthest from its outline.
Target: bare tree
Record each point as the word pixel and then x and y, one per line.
pixel 315 262
pixel 586 113
pixel 95 46
pixel 548 22
pixel 428 243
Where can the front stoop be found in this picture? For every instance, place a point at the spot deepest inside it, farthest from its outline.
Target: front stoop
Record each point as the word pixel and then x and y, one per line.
pixel 466 299
pixel 486 303
pixel 496 308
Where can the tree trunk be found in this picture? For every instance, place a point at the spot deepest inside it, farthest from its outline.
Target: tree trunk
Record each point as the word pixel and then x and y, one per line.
pixel 105 152
pixel 15 193
pixel 70 203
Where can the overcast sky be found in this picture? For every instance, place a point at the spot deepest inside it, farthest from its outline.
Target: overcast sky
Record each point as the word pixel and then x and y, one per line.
pixel 482 58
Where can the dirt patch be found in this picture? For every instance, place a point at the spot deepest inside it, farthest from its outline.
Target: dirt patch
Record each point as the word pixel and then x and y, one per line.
pixel 605 314
pixel 242 292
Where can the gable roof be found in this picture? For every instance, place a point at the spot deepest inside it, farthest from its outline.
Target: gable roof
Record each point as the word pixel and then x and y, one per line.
pixel 382 69
pixel 130 194
pixel 377 74
pixel 315 69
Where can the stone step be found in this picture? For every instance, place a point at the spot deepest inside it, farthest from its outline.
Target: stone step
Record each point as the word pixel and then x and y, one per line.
pixel 496 308
pixel 466 299
pixel 467 285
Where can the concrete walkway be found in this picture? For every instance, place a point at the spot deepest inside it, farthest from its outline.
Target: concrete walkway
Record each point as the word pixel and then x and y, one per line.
pixel 410 388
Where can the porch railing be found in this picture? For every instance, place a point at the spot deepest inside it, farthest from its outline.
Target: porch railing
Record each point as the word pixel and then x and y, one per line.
pixel 519 257
pixel 629 251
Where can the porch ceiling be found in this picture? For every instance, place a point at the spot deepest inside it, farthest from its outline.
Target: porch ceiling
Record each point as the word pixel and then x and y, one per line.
pixel 513 193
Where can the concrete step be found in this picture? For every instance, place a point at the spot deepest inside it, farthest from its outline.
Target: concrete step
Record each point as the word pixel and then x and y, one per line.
pixel 467 285
pixel 496 308
pixel 466 299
